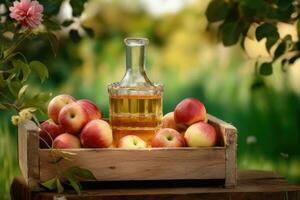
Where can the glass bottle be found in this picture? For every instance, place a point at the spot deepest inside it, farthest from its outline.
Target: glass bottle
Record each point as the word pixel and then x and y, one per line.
pixel 135 102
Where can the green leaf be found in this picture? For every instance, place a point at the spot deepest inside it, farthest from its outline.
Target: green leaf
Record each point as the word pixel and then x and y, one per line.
pixel 40 69
pixel 67 23
pixel 22 91
pixel 2 81
pixel 266 30
pixel 74 35
pixel 81 173
pixel 51 25
pixel 217 10
pixel 89 31
pixel 266 69
pixel 14 87
pixel 294 58
pixel 59 186
pixel 2 107
pixel 280 50
pixel 231 33
pixel 75 184
pixel 51 7
pixel 77 6
pixel 298 28
pixel 53 42
pixel 20 66
pixel 50 184
pixel 270 42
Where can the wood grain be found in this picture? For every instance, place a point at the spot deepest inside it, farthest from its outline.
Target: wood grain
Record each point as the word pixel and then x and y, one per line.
pixel 252 185
pixel 143 164
pixel 227 136
pixel 28 146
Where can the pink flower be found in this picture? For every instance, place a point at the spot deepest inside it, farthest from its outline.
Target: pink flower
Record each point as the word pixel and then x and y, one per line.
pixel 28 13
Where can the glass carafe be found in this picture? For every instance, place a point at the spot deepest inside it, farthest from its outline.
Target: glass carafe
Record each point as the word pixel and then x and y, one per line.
pixel 135 102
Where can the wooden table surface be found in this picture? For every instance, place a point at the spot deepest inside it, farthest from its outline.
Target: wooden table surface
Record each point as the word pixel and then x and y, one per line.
pixel 251 185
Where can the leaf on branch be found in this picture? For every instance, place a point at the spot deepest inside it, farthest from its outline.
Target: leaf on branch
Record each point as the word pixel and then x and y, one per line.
pixel 266 69
pixel 293 59
pixel 22 91
pixel 217 10
pixel 90 32
pixel 2 106
pixel 53 42
pixel 280 50
pixel 2 81
pixel 51 7
pixel 81 173
pixel 77 7
pixel 231 33
pixel 40 69
pixel 75 184
pixel 74 35
pixel 67 23
pixel 51 25
pixel 266 30
pixel 50 184
pixel 270 42
pixel 70 156
pixel 59 186
pixel 14 87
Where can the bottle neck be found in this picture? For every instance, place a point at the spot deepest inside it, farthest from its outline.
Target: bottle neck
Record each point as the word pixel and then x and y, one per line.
pixel 135 59
pixel 135 63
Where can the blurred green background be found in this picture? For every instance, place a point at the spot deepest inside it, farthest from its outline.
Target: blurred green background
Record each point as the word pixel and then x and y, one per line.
pixel 187 59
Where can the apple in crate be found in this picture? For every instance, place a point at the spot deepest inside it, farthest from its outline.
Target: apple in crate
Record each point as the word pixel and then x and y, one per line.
pixel 91 108
pixel 56 104
pixel 49 131
pixel 72 118
pixel 167 137
pixel 200 134
pixel 96 134
pixel 168 121
pixel 131 142
pixel 189 111
pixel 66 141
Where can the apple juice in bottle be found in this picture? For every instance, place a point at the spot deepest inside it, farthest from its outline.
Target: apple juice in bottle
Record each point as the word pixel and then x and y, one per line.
pixel 135 102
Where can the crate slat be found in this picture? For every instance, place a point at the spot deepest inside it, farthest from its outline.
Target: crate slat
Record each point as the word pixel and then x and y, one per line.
pixel 143 164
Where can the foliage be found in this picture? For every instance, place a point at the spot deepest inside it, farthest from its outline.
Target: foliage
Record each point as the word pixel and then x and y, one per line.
pixel 16 71
pixel 73 175
pixel 235 19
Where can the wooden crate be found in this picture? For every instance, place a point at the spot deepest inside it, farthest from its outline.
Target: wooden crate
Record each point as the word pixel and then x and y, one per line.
pixel 112 164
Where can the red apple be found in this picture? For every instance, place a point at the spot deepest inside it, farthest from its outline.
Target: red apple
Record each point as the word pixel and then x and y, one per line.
pixel 66 141
pixel 131 142
pixel 168 121
pixel 91 108
pixel 72 118
pixel 56 104
pixel 200 134
pixel 189 111
pixel 168 137
pixel 49 131
pixel 96 134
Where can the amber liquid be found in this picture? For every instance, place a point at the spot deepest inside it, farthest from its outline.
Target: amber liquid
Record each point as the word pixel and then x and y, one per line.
pixel 135 115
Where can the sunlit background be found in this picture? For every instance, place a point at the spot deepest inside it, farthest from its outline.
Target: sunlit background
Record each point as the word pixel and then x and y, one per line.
pixel 189 61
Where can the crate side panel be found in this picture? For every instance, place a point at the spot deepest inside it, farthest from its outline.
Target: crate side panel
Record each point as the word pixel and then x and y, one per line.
pixel 162 164
pixel 28 147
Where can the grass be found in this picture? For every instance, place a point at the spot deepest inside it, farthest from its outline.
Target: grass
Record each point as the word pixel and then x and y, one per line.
pixel 288 168
pixel 8 159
